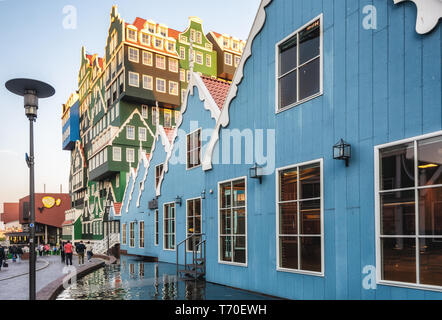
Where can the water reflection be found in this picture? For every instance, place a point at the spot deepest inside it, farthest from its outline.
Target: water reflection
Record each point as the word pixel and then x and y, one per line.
pixel 134 279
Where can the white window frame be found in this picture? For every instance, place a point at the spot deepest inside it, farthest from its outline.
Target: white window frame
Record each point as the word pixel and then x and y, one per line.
pixel 114 157
pixel 158 57
pixel 377 182
pixel 173 62
pixel 134 55
pixel 128 135
pixel 245 265
pixel 201 58
pixel 155 43
pixel 227 54
pixel 141 231
pixel 321 65
pixel 277 171
pixel 201 149
pixel 132 227
pixel 165 85
pixel 208 60
pixel 164 226
pixel 142 132
pixel 177 91
pixel 124 233
pixel 130 79
pixel 182 53
pixel 156 227
pixel 147 43
pixel 147 58
pixel 134 29
pixel 145 111
pixel 128 152
pixel 237 61
pixel 169 113
pixel 187 218
pixel 147 82
pixel 182 75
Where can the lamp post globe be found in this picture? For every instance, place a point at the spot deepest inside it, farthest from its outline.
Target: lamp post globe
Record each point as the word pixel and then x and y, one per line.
pixel 31 90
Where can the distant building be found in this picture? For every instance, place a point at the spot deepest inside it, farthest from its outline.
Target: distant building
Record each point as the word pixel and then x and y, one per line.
pixel 10 216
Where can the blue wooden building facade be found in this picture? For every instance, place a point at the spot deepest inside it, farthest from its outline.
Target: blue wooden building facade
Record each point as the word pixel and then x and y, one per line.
pixel 313 72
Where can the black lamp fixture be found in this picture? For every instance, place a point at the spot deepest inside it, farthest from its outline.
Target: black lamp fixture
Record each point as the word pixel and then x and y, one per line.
pixel 31 90
pixel 342 151
pixel 178 200
pixel 256 172
pixel 203 194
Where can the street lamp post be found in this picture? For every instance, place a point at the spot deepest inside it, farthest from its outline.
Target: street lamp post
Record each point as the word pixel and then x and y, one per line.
pixel 107 220
pixel 31 90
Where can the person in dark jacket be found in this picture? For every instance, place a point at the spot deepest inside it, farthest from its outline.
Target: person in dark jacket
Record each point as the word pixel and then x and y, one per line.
pixel 19 254
pixel 80 248
pixel 2 256
pixel 62 252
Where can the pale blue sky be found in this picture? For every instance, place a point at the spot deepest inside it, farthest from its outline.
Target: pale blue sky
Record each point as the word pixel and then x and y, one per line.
pixel 35 45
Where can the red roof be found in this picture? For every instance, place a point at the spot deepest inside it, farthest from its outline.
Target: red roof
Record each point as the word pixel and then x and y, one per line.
pixel 218 89
pixel 117 207
pixel 169 133
pixel 67 222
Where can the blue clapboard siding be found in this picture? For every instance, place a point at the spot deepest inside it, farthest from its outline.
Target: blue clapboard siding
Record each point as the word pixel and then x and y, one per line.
pixel 380 85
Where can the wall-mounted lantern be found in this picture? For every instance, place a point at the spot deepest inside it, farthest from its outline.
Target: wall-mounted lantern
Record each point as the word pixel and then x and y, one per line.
pixel 342 151
pixel 203 194
pixel 256 172
pixel 178 200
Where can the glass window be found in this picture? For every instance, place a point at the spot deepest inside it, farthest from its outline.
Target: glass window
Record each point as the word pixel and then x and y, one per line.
pixel 134 79
pixel 299 218
pixel 130 155
pixel 157 223
pixel 158 172
pixel 173 65
pixel 169 226
pixel 228 58
pixel 142 134
pixel 147 58
pixel 144 111
pixel 299 66
pixel 410 212
pixel 116 153
pixel 145 38
pixel 141 234
pixel 161 62
pixel 167 118
pixel 131 35
pixel 147 82
pixel 124 234
pixel 193 213
pixel 130 132
pixel 133 55
pixel 173 88
pixel 161 85
pixel 233 222
pixel 132 234
pixel 193 149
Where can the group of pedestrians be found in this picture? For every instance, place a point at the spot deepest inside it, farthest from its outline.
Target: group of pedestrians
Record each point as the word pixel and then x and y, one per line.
pixel 80 248
pixel 13 252
pixel 45 249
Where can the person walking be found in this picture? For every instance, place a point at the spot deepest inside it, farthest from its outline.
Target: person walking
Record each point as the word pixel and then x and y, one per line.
pixel 47 248
pixel 68 253
pixel 14 253
pixel 2 256
pixel 40 250
pixel 62 254
pixel 80 250
pixel 19 254
pixel 89 251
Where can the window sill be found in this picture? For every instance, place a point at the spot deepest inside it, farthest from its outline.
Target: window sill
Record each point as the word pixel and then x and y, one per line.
pixel 235 264
pixel 301 272
pixel 299 102
pixel 409 285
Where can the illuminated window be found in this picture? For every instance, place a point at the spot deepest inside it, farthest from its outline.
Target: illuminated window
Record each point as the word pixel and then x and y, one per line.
pixel 173 88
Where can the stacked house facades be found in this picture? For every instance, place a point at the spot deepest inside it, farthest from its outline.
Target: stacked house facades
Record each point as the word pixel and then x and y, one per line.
pixel 114 116
pixel 260 183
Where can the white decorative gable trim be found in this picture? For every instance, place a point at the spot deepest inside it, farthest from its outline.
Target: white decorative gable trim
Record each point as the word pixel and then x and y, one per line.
pixel 428 14
pixel 223 119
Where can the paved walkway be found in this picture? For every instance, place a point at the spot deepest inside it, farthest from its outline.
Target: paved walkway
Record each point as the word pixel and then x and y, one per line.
pixel 14 280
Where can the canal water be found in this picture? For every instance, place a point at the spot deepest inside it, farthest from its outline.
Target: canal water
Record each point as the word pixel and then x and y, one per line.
pixel 134 279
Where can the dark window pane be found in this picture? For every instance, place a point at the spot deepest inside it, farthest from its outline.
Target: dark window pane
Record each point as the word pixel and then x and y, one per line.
pixel 398 213
pixel 287 89
pixel 226 248
pixel 190 226
pixel 226 222
pixel 239 249
pixel 226 195
pixel 310 180
pixel 430 161
pixel 310 217
pixel 197 205
pixel 309 42
pixel 430 211
pixel 309 79
pixel 239 221
pixel 288 223
pixel 399 259
pixel 311 253
pixel 288 185
pixel 431 261
pixel 239 193
pixel 397 167
pixel 288 252
pixel 198 224
pixel 288 55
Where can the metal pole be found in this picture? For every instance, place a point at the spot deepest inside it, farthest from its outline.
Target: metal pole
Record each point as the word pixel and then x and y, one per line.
pixel 32 257
pixel 108 235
